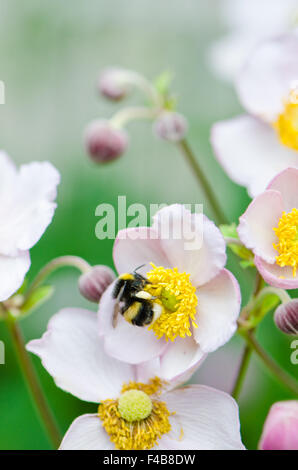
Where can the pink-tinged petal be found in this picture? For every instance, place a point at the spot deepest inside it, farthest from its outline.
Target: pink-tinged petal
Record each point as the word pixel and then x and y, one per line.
pixel 286 183
pixel 134 247
pixel 86 433
pixel 268 75
pixel 126 342
pixel 250 152
pixel 275 275
pixel 204 419
pixel 191 242
pixel 12 273
pixel 281 427
pixel 218 309
pixel 180 360
pixel 73 353
pixel 256 224
pixel 29 208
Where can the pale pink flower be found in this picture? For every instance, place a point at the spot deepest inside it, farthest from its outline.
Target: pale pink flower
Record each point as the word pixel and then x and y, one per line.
pixel 215 292
pixel 26 208
pixel 248 22
pixel 281 427
pixel 194 417
pixel 253 148
pixel 269 229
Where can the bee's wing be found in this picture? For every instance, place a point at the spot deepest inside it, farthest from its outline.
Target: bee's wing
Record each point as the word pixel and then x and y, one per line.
pixel 117 307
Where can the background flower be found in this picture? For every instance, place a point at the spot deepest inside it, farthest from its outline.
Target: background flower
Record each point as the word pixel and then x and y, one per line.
pixel 254 148
pixel 26 209
pixel 281 427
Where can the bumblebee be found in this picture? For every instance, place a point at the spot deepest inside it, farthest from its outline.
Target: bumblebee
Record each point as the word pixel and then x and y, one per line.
pixel 136 305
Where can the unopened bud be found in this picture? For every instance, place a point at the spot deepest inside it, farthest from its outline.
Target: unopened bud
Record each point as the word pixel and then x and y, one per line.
pixel 170 126
pixel 280 430
pixel 286 317
pixel 104 142
pixel 93 283
pixel 114 83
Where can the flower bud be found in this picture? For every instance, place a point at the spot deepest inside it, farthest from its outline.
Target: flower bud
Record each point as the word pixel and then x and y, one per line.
pixel 93 283
pixel 170 126
pixel 286 317
pixel 114 84
pixel 280 430
pixel 104 142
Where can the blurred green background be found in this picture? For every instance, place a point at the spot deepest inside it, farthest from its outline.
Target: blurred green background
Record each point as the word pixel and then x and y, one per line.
pixel 50 55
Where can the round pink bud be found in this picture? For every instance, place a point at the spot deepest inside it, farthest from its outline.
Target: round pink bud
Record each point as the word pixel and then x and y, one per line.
pixel 93 283
pixel 170 126
pixel 104 142
pixel 286 317
pixel 114 84
pixel 280 430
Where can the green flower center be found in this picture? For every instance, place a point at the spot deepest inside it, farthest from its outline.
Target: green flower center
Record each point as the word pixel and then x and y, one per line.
pixel 134 405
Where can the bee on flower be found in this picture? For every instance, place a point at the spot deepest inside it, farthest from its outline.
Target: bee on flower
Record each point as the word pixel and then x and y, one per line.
pixel 169 303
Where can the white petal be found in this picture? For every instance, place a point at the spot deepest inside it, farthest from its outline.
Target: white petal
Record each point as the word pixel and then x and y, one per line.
pixel 250 152
pixel 12 273
pixel 123 341
pixel 218 310
pixel 180 360
pixel 267 77
pixel 286 183
pixel 73 353
pixel 134 247
pixel 204 419
pixel 257 223
pixel 195 244
pixel 86 433
pixel 277 276
pixel 29 207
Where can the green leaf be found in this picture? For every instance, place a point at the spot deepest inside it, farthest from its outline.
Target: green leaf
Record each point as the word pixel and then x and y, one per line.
pixel 229 230
pixel 263 306
pixel 163 82
pixel 36 299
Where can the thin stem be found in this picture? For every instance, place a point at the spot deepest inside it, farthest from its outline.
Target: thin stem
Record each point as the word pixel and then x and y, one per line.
pixel 62 261
pixel 246 355
pixel 188 154
pixel 33 384
pixel 125 115
pixel 274 368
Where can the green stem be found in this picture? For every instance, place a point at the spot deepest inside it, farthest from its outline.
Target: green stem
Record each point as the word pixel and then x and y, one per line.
pixel 274 368
pixel 62 261
pixel 247 352
pixel 33 384
pixel 200 176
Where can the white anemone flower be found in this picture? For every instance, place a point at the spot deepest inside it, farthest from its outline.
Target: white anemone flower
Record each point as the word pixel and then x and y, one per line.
pixel 248 23
pixel 137 410
pixel 26 209
pixel 253 148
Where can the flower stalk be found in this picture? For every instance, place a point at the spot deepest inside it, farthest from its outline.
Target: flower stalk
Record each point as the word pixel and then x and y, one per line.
pixel 202 180
pixel 33 383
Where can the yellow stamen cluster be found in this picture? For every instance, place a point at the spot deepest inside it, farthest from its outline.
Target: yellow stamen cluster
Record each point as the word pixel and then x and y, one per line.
pixel 287 246
pixel 138 434
pixel 177 295
pixel 287 122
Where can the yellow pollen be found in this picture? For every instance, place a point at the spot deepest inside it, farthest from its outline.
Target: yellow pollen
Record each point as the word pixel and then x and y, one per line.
pixel 140 434
pixel 287 246
pixel 286 124
pixel 176 294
